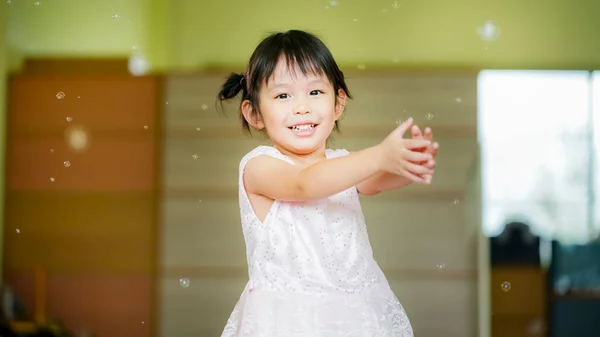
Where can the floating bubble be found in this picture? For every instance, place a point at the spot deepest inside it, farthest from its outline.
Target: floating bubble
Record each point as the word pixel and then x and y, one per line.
pixel 458 100
pixel 77 138
pixel 51 150
pixel 60 95
pixel 18 231
pixel 199 201
pixel 355 20
pixel 204 107
pixel 441 266
pixel 145 127
pixel 69 119
pixel 8 2
pixel 333 3
pixel 138 65
pixel 52 179
pixel 37 3
pixel 429 116
pixel 399 122
pixel 67 163
pixel 195 156
pixel 116 16
pixel 395 5
pixel 455 201
pixel 506 286
pixel 361 67
pixel 488 31
pixel 184 282
pixel 198 129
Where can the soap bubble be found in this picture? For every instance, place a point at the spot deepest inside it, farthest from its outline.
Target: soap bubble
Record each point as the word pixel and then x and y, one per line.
pixel 184 282
pixel 506 286
pixel 138 65
pixel 488 31
pixel 60 95
pixel 77 138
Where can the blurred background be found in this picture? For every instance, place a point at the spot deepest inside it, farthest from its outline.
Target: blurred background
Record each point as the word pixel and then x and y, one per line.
pixel 120 215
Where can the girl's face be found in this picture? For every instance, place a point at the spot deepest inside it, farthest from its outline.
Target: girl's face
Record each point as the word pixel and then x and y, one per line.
pixel 298 111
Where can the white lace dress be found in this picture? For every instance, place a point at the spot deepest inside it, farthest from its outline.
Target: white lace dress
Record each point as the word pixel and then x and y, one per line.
pixel 311 271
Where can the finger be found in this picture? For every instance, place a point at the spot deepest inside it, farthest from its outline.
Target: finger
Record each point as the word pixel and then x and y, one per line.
pixel 416 132
pixel 428 178
pixel 430 164
pixel 416 157
pixel 416 143
pixel 434 149
pixel 418 169
pixel 415 178
pixel 428 134
pixel 403 127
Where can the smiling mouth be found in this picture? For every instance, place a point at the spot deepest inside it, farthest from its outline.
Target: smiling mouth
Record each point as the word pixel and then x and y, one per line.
pixel 303 127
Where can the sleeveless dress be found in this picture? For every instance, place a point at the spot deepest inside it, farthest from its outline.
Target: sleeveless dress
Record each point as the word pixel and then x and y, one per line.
pixel 311 270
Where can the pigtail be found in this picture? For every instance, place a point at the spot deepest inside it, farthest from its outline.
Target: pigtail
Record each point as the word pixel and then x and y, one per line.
pixel 230 89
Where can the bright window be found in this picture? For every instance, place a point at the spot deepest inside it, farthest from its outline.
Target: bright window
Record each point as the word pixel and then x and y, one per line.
pixel 538 152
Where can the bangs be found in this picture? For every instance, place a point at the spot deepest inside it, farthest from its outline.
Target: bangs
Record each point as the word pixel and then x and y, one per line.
pixel 302 53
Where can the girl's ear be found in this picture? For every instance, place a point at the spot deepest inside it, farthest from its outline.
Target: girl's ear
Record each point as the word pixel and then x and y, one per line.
pixel 252 117
pixel 340 103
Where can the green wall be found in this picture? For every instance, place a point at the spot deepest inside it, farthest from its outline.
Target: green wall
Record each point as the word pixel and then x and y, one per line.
pixel 192 34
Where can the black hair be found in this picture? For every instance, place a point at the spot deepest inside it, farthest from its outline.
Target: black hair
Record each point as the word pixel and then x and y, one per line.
pixel 301 50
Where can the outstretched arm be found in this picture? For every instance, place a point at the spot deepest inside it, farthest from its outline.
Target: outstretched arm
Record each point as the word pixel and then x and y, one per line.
pixel 384 181
pixel 278 180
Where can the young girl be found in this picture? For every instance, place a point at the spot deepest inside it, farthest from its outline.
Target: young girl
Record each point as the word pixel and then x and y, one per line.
pixel 311 268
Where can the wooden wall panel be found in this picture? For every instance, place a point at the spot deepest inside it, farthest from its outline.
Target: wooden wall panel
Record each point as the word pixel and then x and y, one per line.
pixel 79 232
pixel 422 236
pixel 100 102
pixel 92 228
pixel 88 301
pixel 110 164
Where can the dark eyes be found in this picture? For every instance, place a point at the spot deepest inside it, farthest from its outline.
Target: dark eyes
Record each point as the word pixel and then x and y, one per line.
pixel 312 93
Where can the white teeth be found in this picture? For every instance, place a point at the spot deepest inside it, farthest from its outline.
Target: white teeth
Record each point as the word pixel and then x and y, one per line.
pixel 303 127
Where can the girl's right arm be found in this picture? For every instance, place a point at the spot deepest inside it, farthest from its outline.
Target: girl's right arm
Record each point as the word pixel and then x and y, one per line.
pixel 279 180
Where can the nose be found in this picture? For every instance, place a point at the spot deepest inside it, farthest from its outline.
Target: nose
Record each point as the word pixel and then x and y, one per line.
pixel 302 109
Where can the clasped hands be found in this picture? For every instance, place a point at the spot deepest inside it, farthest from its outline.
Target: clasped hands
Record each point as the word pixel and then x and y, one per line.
pixel 413 158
